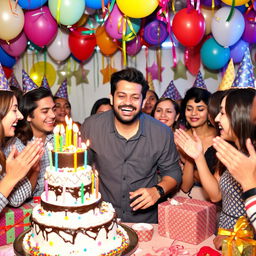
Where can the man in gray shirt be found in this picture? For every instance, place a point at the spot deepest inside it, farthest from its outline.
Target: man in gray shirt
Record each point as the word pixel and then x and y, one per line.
pixel 128 148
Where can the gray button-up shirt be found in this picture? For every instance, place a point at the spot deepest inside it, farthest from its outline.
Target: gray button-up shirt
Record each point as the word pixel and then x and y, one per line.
pixel 127 165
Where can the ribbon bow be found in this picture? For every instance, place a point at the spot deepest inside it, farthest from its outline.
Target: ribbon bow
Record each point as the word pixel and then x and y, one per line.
pixel 240 235
pixel 4 229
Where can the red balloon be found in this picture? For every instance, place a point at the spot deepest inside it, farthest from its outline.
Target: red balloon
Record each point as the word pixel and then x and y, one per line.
pixel 7 71
pixel 81 46
pixel 188 26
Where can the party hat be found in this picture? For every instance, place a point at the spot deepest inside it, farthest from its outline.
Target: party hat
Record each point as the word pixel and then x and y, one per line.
pixel 244 76
pixel 199 82
pixel 63 90
pixel 3 80
pixel 171 92
pixel 28 83
pixel 228 77
pixel 14 82
pixel 150 82
pixel 45 83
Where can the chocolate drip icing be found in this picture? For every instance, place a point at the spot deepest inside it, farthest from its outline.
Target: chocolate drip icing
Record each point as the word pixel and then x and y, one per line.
pixel 78 209
pixel 46 230
pixel 66 159
pixel 75 192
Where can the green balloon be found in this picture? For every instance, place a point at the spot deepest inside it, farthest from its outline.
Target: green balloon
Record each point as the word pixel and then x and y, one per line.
pixel 68 12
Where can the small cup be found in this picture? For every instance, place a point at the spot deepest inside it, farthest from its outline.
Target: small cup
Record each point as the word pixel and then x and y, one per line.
pixel 144 231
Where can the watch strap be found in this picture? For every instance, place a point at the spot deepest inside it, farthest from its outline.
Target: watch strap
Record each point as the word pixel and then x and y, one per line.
pixel 160 190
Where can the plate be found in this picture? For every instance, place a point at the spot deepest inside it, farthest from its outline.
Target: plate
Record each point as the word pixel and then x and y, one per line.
pixel 133 242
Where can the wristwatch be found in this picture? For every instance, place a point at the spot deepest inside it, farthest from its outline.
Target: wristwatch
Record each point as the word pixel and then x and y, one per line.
pixel 160 190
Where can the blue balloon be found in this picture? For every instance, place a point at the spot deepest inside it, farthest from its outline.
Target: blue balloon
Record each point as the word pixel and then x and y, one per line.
pixel 213 55
pixel 31 4
pixel 95 4
pixel 237 50
pixel 6 59
pixel 241 8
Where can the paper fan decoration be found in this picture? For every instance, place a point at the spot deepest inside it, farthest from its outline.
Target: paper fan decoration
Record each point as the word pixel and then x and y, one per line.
pixel 63 90
pixel 199 82
pixel 28 83
pixel 45 83
pixel 4 85
pixel 171 92
pixel 244 76
pixel 228 77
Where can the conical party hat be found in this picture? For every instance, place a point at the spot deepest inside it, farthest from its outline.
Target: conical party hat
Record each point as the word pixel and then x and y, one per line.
pixel 171 92
pixel 14 82
pixel 228 77
pixel 244 76
pixel 199 82
pixel 45 83
pixel 28 83
pixel 63 90
pixel 4 85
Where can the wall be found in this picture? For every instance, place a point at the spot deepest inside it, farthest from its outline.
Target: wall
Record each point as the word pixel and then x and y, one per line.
pixel 83 96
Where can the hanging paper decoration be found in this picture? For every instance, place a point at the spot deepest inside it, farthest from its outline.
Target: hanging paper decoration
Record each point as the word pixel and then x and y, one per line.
pixel 179 71
pixel 107 72
pixel 210 74
pixel 154 70
pixel 81 75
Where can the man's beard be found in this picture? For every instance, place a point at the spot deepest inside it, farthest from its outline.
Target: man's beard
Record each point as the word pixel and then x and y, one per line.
pixel 121 120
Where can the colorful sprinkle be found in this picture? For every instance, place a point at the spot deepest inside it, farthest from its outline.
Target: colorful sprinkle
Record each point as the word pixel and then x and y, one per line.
pixel 51 243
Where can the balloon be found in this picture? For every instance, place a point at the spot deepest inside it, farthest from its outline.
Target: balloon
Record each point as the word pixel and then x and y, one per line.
pixel 16 46
pixel 105 43
pixel 155 32
pixel 188 26
pixel 59 48
pixel 115 22
pixel 134 46
pixel 137 8
pixel 236 2
pixel 81 46
pixel 6 59
pixel 81 21
pixel 70 11
pixel 249 34
pixel 225 32
pixel 31 4
pixel 237 51
pixel 208 14
pixel 241 8
pixel 95 4
pixel 7 71
pixel 40 27
pixel 40 69
pixel 192 59
pixel 180 4
pixel 11 22
pixel 213 55
pixel 209 3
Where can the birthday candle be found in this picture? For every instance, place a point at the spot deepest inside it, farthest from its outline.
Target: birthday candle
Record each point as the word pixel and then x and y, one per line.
pixel 56 160
pixel 79 140
pixel 70 132
pixel 75 133
pixel 50 148
pixel 97 183
pixel 46 189
pixel 67 131
pixel 93 181
pixel 62 132
pixel 56 132
pixel 82 193
pixel 85 154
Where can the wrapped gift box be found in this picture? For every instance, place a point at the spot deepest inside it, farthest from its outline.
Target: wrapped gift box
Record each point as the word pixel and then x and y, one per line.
pixel 248 249
pixel 14 221
pixel 189 220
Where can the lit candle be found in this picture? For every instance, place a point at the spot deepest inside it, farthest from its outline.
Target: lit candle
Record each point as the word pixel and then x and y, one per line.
pixel 96 183
pixel 85 154
pixel 46 188
pixel 70 132
pixel 79 140
pixel 82 193
pixel 75 160
pixel 56 161
pixel 75 133
pixel 66 120
pixel 62 132
pixel 56 132
pixel 93 181
pixel 50 148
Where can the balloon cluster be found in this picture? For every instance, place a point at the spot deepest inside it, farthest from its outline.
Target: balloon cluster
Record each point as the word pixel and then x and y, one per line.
pixel 221 31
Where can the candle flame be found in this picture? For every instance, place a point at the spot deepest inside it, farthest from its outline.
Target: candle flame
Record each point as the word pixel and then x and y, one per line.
pixel 56 129
pixel 87 143
pixel 83 145
pixel 75 128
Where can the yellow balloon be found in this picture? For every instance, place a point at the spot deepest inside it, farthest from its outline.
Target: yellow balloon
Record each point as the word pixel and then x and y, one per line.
pixel 40 69
pixel 11 20
pixel 137 8
pixel 208 14
pixel 237 2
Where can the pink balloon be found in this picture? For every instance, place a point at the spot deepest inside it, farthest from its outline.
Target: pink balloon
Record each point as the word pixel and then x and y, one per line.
pixel 40 27
pixel 134 46
pixel 16 46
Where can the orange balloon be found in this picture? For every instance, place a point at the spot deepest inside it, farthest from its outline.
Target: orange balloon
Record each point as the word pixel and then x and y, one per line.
pixel 208 14
pixel 105 42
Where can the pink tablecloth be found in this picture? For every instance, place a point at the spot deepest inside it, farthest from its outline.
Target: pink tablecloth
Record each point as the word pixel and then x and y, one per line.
pixel 159 245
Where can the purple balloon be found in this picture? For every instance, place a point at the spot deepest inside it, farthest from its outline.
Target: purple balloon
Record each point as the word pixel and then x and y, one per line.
pixel 249 34
pixel 155 32
pixel 209 2
pixel 16 46
pixel 237 51
pixel 134 46
pixel 40 27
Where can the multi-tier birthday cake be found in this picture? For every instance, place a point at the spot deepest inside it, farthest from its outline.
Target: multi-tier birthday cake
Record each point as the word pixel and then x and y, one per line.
pixel 72 219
